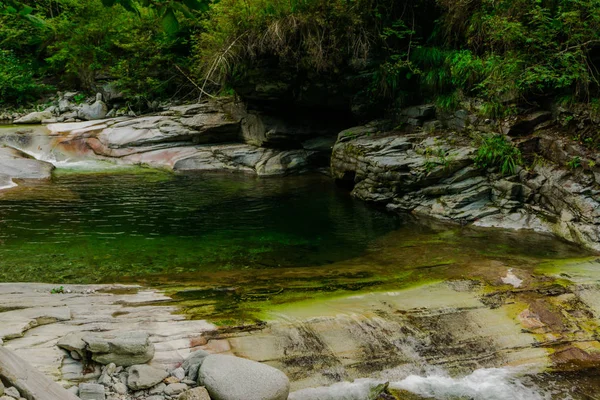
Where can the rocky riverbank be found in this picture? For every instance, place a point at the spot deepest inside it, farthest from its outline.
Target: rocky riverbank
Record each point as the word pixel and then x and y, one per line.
pixel 121 342
pixel 211 136
pixel 425 166
pixel 430 170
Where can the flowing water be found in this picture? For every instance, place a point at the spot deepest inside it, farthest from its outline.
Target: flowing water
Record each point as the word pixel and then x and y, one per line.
pixel 234 248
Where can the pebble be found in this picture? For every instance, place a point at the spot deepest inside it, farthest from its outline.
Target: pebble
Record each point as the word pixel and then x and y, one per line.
pixel 120 388
pixel 175 388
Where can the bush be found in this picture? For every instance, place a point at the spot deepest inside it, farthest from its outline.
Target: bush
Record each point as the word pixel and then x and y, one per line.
pixel 495 151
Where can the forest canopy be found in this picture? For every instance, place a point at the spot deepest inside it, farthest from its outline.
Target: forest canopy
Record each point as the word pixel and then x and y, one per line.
pixel 440 50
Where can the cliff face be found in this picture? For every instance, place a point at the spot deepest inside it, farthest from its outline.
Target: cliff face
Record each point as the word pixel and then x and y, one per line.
pixel 428 168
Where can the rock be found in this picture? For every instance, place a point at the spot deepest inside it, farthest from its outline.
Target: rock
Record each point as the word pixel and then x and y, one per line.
pixel 124 349
pixel 234 378
pixel 419 112
pixel 172 379
pixel 436 176
pixel 175 389
pixel 34 117
pixel 158 389
pixel 105 379
pixel 524 125
pixel 192 364
pixel 1 388
pixel 97 110
pixel 178 373
pixel 120 388
pixel 12 392
pixel 155 397
pixel 16 164
pixel 198 393
pixel 145 376
pixel 91 391
pixel 73 343
pixel 74 390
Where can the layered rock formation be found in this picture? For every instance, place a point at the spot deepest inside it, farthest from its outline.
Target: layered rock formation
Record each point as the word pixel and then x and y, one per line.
pixel 434 174
pixel 212 136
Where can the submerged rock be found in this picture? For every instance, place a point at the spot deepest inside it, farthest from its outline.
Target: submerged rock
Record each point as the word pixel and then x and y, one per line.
pixel 234 378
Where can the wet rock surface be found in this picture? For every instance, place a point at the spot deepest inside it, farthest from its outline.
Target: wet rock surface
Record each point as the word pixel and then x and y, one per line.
pixel 435 175
pixel 15 164
pixel 207 137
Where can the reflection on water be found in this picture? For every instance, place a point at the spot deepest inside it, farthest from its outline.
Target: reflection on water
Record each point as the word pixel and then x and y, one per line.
pixel 89 227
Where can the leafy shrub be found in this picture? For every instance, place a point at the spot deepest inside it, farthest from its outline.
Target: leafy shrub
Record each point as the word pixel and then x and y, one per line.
pixel 495 151
pixel 18 83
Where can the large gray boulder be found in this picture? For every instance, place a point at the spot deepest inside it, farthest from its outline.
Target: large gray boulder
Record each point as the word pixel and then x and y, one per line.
pixel 145 376
pixel 34 118
pixel 234 378
pixel 97 110
pixel 122 348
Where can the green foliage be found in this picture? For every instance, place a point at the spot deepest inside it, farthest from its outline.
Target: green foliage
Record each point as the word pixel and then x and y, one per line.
pixel 574 162
pixel 495 151
pixel 18 83
pixel 57 290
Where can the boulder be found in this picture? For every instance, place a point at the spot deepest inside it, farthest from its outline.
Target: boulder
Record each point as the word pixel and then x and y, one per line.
pixel 16 164
pixel 97 110
pixel 91 391
pixel 233 378
pixel 34 117
pixel 145 376
pixel 199 393
pixel 123 348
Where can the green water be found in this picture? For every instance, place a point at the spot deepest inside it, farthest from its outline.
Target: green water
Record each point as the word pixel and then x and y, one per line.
pixel 130 227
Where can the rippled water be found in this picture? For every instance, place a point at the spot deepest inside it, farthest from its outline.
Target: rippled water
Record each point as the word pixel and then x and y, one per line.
pixel 106 227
